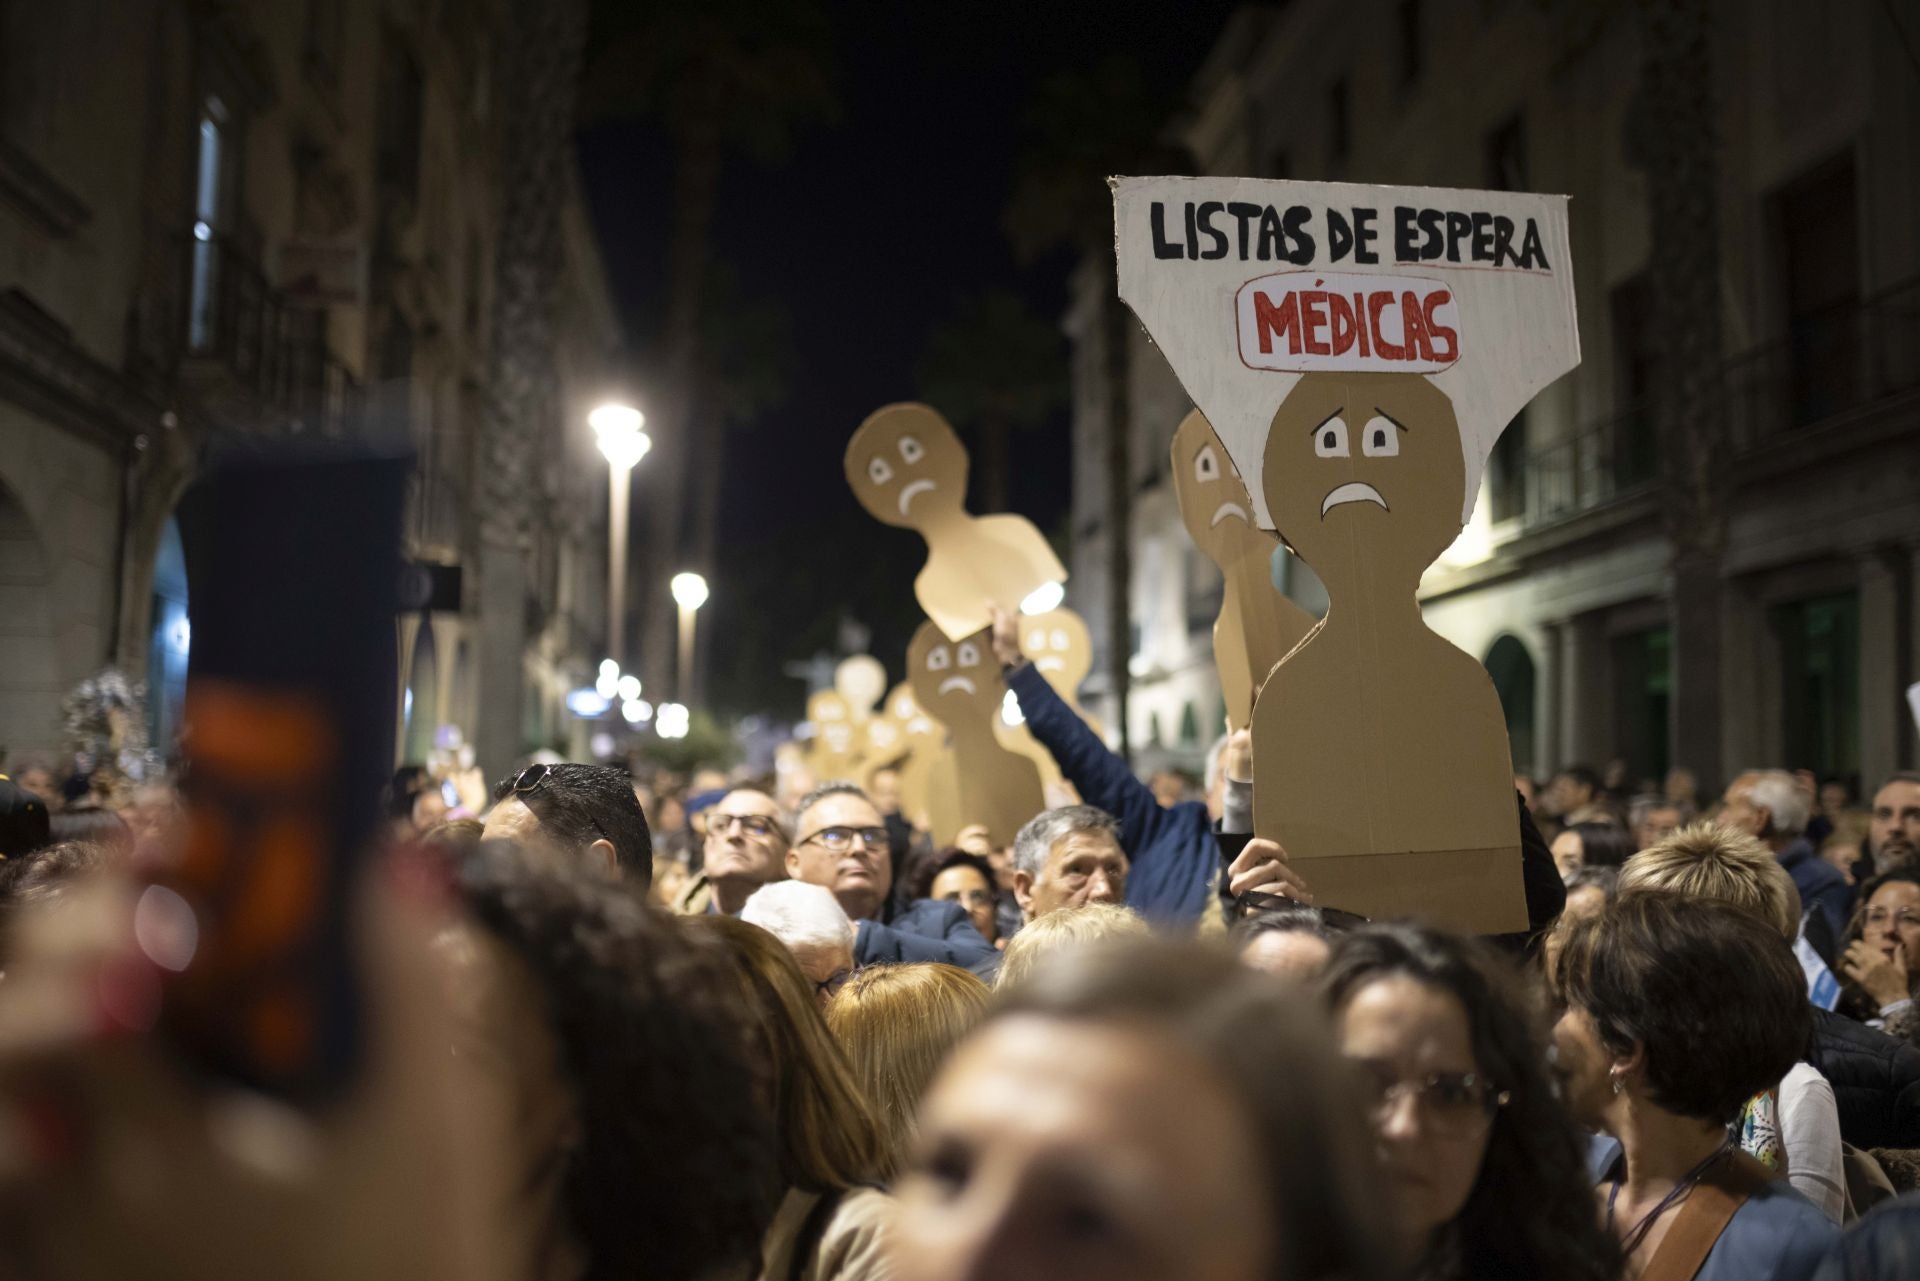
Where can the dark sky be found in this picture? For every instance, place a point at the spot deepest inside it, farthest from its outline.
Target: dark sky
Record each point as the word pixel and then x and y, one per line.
pixel 868 235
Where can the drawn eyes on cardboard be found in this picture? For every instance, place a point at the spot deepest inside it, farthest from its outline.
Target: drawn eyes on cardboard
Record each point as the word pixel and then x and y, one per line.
pixel 911 450
pixel 1330 438
pixel 1206 465
pixel 939 659
pixel 1382 438
pixel 969 654
pixel 879 471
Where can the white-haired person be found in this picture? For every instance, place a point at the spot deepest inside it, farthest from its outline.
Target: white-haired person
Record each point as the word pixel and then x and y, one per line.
pixel 1772 806
pixel 813 925
pixel 1068 857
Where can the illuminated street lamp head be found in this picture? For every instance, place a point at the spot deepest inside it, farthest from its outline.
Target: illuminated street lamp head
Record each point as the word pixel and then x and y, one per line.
pixel 689 590
pixel 617 428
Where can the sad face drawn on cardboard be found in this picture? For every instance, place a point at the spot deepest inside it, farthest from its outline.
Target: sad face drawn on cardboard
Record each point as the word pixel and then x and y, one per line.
pixel 1363 474
pixel 1214 503
pixel 957 682
pixel 1058 646
pixel 907 467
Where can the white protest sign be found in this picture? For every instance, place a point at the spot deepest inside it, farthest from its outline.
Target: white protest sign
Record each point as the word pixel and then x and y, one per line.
pixel 1248 284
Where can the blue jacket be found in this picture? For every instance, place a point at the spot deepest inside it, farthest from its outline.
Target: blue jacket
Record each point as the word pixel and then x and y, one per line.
pixel 1775 1235
pixel 1820 884
pixel 1172 852
pixel 926 931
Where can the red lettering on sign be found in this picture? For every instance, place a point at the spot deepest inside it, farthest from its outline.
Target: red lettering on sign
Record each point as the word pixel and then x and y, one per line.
pixel 1361 326
pixel 1378 300
pixel 1271 320
pixel 1436 300
pixel 1415 323
pixel 1313 316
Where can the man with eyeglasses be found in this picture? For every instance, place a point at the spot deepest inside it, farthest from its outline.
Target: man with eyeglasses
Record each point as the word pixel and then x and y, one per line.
pixel 588 810
pixel 745 847
pixel 841 844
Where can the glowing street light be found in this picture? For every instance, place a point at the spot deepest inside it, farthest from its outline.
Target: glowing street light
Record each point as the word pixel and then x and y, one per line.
pixel 616 429
pixel 690 593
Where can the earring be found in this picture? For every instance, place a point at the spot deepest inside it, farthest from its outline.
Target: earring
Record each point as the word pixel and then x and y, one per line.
pixel 1614 1077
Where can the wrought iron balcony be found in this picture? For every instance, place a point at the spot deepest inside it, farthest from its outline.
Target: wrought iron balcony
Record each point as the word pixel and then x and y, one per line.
pixel 277 354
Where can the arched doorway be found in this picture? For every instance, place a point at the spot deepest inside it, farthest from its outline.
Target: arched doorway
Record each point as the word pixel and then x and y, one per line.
pixel 422 699
pixel 29 672
pixel 169 640
pixel 1511 668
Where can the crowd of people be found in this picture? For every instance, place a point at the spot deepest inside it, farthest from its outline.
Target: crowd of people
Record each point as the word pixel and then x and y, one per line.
pixel 695 1028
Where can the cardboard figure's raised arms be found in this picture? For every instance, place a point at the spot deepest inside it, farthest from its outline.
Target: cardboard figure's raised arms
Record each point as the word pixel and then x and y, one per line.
pixel 908 468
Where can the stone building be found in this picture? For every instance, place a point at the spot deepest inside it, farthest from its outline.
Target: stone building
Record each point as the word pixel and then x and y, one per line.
pixel 1561 582
pixel 232 219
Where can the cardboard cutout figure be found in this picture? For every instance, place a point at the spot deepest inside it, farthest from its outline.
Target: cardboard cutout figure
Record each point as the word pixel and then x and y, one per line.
pixel 834 753
pixel 860 679
pixel 1257 625
pixel 908 468
pixel 1358 350
pixel 959 685
pixel 929 787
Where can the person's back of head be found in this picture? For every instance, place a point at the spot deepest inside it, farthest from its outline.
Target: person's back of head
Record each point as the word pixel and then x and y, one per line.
pixel 829 1137
pixel 42 879
pixel 581 807
pixel 810 921
pixel 1779 793
pixel 1714 862
pixel 1071 929
pixel 668 1164
pixel 897 1024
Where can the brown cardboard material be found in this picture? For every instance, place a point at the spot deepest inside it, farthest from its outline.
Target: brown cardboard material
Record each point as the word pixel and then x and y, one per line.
pixel 860 679
pixel 1257 625
pixel 908 468
pixel 1358 356
pixel 835 751
pixel 929 789
pixel 958 684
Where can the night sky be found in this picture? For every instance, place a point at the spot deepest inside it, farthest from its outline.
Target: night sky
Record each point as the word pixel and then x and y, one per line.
pixel 868 235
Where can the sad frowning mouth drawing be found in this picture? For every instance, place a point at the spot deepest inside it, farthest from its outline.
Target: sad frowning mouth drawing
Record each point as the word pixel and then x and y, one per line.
pixel 1353 491
pixel 958 682
pixel 913 491
pixel 1230 509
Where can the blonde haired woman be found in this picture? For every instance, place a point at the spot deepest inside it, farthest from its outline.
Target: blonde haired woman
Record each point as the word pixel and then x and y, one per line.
pixel 897 1024
pixel 1067 929
pixel 831 1224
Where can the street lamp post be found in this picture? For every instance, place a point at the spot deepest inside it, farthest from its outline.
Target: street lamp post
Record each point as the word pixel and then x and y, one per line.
pixel 616 428
pixel 690 593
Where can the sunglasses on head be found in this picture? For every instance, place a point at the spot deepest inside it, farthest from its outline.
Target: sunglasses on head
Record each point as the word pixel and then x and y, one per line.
pixel 526 786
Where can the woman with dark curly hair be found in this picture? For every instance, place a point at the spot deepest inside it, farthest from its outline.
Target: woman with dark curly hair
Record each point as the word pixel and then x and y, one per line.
pixel 1488 1167
pixel 1677 1011
pixel 622 1050
pixel 1881 960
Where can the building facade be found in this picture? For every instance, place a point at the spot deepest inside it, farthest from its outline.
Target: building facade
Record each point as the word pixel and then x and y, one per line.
pixel 1561 582
pixel 269 220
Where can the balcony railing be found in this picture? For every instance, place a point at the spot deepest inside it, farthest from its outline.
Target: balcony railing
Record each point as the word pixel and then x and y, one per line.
pixel 1831 362
pixel 1612 457
pixel 276 352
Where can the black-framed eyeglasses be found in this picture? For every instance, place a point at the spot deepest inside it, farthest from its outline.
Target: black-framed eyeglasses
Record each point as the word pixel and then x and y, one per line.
pixel 839 840
pixel 752 824
pixel 1458 1104
pixel 833 982
pixel 527 784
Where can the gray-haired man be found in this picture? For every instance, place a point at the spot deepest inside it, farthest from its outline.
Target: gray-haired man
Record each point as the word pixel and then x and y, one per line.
pixel 1068 857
